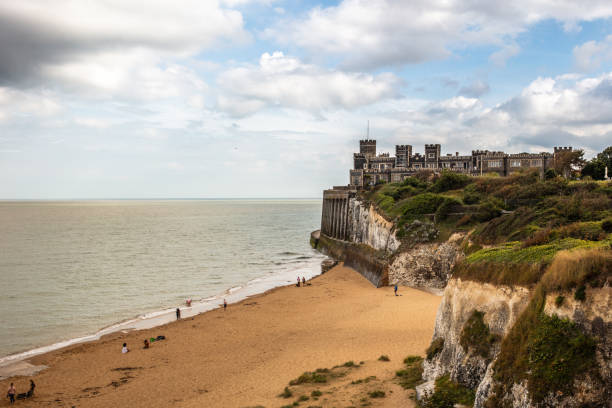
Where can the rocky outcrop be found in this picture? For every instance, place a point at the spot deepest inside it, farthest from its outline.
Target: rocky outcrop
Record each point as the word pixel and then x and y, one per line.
pixel 426 265
pixel 500 305
pixel 366 226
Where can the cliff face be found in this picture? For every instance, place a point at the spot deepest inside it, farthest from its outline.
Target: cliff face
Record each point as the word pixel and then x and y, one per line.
pixel 500 307
pixel 426 265
pixel 472 363
pixel 368 227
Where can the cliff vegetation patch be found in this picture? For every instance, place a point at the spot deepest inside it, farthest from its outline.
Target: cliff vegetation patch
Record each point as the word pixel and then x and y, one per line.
pixel 436 346
pixel 547 351
pixel 447 393
pixel 412 375
pixel 476 335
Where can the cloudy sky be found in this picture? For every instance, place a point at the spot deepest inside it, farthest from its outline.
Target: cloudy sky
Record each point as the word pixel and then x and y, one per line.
pixel 265 98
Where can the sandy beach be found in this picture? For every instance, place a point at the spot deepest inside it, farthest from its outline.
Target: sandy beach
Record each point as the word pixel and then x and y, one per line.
pixel 246 355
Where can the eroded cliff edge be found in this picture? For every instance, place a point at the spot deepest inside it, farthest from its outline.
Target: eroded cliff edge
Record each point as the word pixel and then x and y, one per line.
pixel 525 317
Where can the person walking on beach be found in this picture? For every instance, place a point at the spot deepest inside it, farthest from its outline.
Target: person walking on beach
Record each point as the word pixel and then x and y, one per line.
pixel 303 281
pixel 298 282
pixel 224 304
pixel 124 349
pixel 178 313
pixel 11 393
pixel 395 288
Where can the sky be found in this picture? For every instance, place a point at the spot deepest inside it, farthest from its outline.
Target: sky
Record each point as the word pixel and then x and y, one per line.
pixel 265 98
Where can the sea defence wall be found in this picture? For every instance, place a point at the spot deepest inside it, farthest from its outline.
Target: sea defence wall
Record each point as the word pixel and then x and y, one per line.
pixel 335 214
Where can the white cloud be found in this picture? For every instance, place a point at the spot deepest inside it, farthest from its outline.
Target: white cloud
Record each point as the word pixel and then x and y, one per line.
pixel 590 55
pixel 36 37
pixel 284 81
pixel 374 33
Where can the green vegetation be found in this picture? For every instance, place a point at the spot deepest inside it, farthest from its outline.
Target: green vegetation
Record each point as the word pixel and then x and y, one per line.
pixel 363 380
pixel 286 393
pixel 435 347
pixel 548 352
pixel 377 394
pixel 316 393
pixel 303 398
pixel 311 377
pixel 476 335
pixel 412 375
pixel 447 393
pixel 384 358
pixel 559 300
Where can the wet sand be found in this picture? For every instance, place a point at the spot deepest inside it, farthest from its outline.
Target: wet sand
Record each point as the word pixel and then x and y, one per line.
pixel 246 355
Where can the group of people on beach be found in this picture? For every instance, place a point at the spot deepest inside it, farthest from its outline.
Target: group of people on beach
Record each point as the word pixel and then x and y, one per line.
pixel 12 392
pixel 303 281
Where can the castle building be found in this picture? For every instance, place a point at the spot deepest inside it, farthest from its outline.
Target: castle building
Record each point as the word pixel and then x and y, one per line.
pixel 370 168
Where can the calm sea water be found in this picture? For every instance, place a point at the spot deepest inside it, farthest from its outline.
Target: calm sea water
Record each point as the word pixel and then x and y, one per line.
pixel 70 268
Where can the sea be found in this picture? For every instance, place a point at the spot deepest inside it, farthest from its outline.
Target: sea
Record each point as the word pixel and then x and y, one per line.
pixel 72 271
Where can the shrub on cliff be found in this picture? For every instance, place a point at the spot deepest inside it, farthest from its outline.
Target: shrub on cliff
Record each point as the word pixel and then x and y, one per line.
pixel 477 336
pixel 412 375
pixel 450 181
pixel 447 393
pixel 435 348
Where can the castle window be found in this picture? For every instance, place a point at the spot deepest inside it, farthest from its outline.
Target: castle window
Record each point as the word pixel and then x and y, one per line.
pixel 515 163
pixel 494 163
pixel 536 163
pixel 432 155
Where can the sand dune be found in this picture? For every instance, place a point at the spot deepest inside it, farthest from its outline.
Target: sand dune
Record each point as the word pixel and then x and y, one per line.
pixel 246 355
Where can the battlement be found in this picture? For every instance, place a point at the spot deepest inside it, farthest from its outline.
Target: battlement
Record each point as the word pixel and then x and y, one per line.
pixel 367 141
pixel 559 149
pixel 432 146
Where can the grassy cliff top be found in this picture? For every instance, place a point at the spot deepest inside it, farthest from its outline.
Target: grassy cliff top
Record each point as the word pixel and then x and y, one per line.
pixel 516 225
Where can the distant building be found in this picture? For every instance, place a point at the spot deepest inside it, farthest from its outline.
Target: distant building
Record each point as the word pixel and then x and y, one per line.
pixel 370 168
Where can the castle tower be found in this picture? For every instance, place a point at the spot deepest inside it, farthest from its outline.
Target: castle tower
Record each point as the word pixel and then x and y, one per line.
pixel 367 147
pixel 432 153
pixel 402 155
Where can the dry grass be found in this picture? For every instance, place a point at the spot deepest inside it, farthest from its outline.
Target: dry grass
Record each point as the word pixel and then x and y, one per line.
pixel 570 269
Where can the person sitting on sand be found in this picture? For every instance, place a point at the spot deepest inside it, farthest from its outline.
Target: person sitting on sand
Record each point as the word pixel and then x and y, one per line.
pixel 11 393
pixel 124 349
pixel 146 343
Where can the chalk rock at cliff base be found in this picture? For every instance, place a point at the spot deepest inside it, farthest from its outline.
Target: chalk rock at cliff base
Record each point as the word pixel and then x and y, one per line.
pixel 425 389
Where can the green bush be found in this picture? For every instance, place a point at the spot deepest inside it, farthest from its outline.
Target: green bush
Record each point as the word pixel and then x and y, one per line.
pixel 550 174
pixel 489 209
pixel 412 375
pixel 446 207
pixel 384 358
pixel 286 393
pixel 558 350
pixel 435 347
pixel 559 300
pixel 316 393
pixel 377 394
pixel 477 336
pixel 309 377
pixel 426 203
pixel 450 181
pixel 448 393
